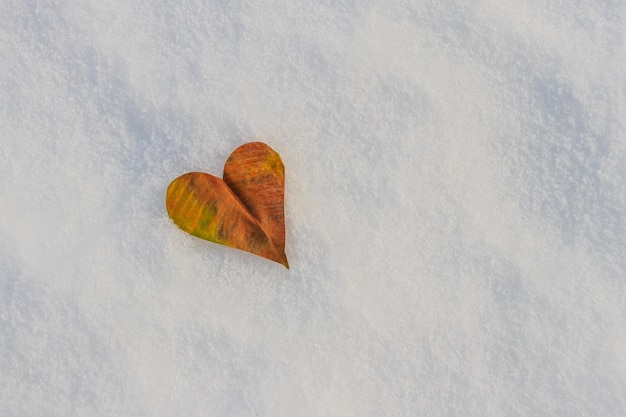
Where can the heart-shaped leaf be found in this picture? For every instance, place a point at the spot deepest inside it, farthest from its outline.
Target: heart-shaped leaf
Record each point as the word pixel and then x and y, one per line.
pixel 245 210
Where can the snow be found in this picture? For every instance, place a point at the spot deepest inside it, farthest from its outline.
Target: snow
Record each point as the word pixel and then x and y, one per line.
pixel 455 205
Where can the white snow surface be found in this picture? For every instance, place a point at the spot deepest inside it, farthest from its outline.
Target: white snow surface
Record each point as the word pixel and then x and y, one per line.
pixel 455 208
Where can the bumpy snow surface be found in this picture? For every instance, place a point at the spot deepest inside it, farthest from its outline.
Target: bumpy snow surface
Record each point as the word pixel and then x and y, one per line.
pixel 455 208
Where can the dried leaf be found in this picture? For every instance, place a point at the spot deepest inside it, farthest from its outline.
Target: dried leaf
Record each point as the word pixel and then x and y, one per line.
pixel 245 210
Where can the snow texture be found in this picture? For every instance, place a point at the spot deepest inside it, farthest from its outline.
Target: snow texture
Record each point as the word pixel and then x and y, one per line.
pixel 455 205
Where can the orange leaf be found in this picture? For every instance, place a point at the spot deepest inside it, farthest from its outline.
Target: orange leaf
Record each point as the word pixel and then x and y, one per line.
pixel 245 210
